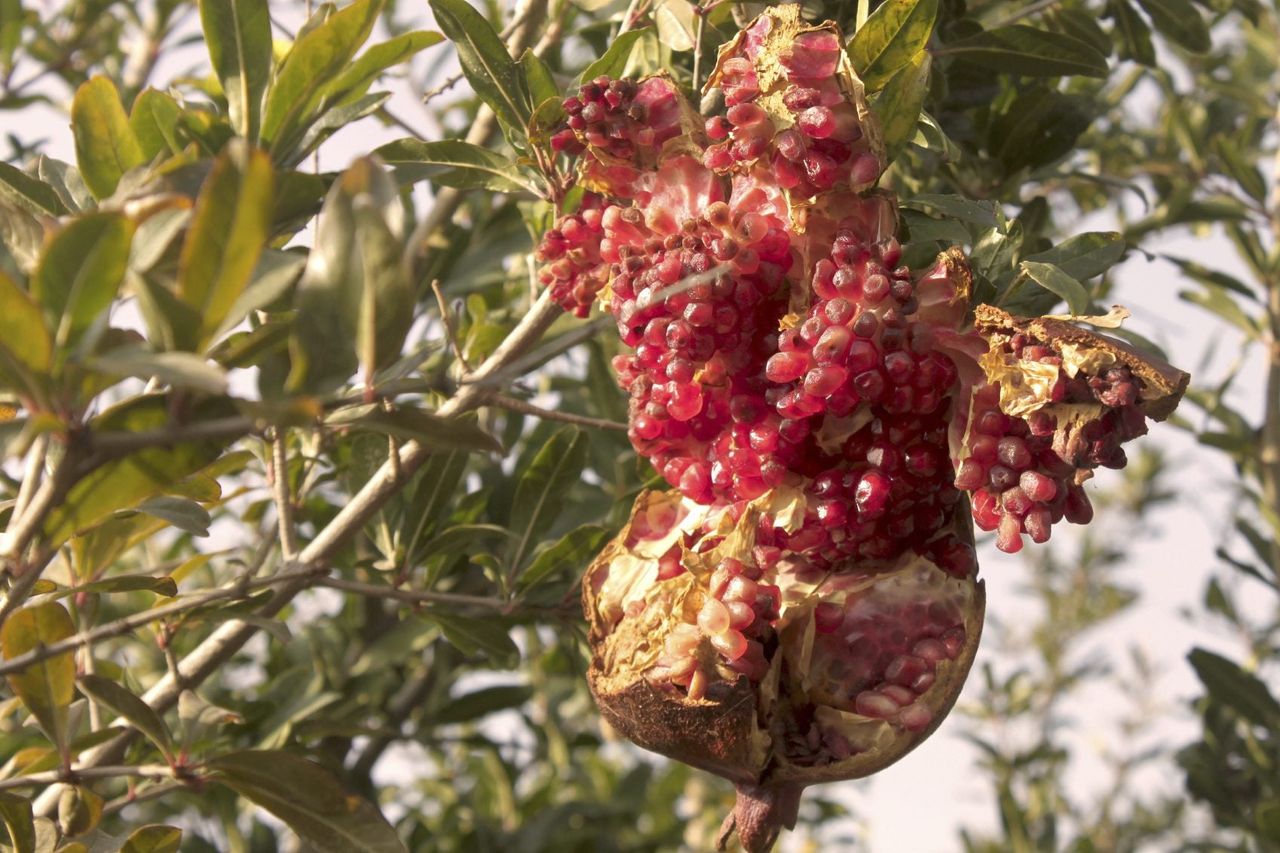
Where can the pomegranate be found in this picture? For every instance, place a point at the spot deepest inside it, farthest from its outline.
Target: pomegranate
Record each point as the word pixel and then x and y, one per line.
pixel 803 605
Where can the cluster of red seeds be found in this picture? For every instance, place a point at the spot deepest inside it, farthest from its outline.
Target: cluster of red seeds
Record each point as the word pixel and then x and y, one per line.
pixel 1023 473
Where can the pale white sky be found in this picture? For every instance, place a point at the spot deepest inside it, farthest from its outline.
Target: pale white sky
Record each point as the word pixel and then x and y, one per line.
pixel 918 804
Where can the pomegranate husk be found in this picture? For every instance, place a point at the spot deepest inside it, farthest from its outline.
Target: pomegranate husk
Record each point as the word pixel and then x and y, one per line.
pixel 734 731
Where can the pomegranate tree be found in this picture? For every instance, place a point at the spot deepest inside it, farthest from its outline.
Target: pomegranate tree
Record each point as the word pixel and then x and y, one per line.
pixel 803 604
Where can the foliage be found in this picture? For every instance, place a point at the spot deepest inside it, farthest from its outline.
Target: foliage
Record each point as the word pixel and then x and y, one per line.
pixel 289 494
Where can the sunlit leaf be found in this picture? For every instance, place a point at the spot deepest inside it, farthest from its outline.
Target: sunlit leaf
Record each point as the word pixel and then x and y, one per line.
pixel 46 688
pixel 106 147
pixel 893 37
pixel 238 35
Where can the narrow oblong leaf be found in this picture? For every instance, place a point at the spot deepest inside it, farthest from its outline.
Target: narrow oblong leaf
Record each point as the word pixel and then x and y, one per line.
pixel 154 119
pixel 80 272
pixel 616 59
pixel 1241 691
pixel 540 491
pixel 179 369
pixel 127 481
pixel 1054 280
pixel 573 551
pixel 1019 49
pixel 29 193
pixel 893 36
pixel 478 635
pixel 356 79
pixel 316 58
pixel 1179 21
pixel 1085 255
pixel 486 700
pixel 23 334
pixel 139 714
pixel 106 147
pixel 238 34
pixel 229 228
pixel 899 104
pixel 153 838
pixel 977 212
pixel 308 798
pixel 453 163
pixel 494 76
pixel 182 513
pixel 46 688
pixel 16 814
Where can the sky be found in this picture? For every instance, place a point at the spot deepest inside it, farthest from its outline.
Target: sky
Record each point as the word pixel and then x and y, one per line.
pixel 918 803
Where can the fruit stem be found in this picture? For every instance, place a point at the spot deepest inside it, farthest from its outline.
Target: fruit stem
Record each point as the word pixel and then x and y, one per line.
pixel 759 816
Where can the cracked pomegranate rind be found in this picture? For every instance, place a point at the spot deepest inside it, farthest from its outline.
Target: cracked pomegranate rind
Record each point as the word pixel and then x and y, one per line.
pixel 853 667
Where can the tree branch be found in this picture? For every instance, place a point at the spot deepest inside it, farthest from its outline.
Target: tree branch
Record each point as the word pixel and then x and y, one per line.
pixel 513 404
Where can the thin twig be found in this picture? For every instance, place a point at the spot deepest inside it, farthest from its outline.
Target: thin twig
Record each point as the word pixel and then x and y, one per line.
pixel 32 472
pixel 283 497
pixel 446 318
pixel 513 404
pixel 77 774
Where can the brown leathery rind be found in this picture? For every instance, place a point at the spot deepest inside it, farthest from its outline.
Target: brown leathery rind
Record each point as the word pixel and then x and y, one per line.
pixel 1162 384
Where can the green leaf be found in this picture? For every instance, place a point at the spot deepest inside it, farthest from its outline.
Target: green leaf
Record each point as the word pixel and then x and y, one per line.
pixel 1135 37
pixel 676 23
pixel 127 583
pixel 1179 22
pixel 494 76
pixel 238 33
pixel 153 838
pixel 314 61
pixel 106 147
pixel 31 194
pixel 123 702
pixel 127 481
pixel 66 182
pixel 179 369
pixel 270 281
pixel 454 163
pixel 978 212
pixel 182 513
pixel 417 425
pixel 154 118
pixel 80 272
pixel 1039 127
pixel 899 104
pixel 1220 304
pixel 478 703
pixel 339 117
pixel 1082 26
pixel 1084 255
pixel 893 37
pixel 1241 691
pixel 353 82
pixel 1019 49
pixel 230 226
pixel 387 299
pixel 45 688
pixel 1212 278
pixel 572 554
pixel 17 816
pixel 542 488
pixel 355 298
pixel 1054 280
pixel 12 21
pixel 308 798
pixel 615 61
pixel 478 635
pixel 436 487
pixel 23 335
pixel 542 85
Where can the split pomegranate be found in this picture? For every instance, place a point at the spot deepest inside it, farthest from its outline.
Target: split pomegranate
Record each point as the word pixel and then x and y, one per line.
pixel 803 605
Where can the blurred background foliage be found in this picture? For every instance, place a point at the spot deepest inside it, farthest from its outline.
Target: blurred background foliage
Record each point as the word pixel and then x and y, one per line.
pixel 227 608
